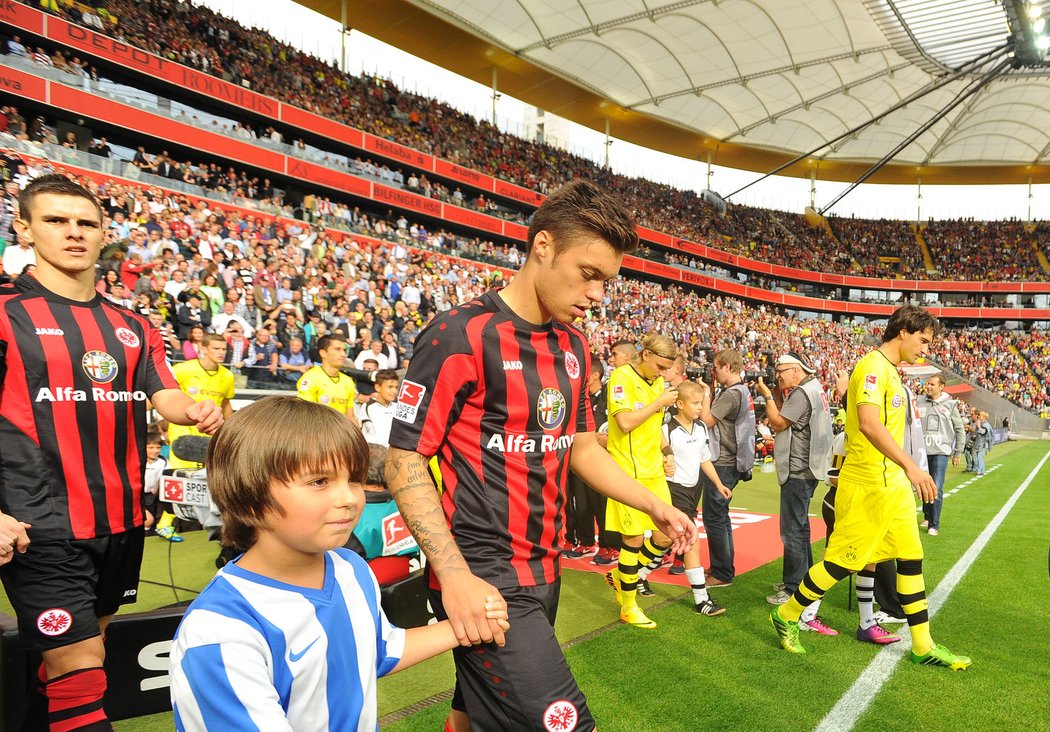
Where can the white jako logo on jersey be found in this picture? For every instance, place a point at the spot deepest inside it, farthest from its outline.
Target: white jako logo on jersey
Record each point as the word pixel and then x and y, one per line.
pixel 128 337
pixel 561 716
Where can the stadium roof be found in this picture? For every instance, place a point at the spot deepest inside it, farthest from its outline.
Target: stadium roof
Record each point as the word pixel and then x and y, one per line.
pixel 750 83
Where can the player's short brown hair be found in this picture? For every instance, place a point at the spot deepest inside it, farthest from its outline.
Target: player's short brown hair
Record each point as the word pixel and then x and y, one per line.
pixel 56 184
pixel 731 358
pixel 210 338
pixel 909 319
pixel 581 208
pixel 268 443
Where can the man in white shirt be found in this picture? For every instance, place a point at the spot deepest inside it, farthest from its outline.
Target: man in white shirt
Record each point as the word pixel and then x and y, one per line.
pixel 375 353
pixel 221 322
pixel 17 258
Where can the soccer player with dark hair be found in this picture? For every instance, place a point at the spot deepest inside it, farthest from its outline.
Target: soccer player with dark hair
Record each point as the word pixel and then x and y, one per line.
pixel 326 384
pixel 76 371
pixel 496 389
pixel 874 508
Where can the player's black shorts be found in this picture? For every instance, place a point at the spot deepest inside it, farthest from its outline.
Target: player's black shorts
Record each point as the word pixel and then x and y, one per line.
pixel 526 684
pixel 60 589
pixel 686 498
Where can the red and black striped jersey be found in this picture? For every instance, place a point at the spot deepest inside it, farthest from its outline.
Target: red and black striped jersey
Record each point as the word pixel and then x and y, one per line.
pixel 75 380
pixel 499 401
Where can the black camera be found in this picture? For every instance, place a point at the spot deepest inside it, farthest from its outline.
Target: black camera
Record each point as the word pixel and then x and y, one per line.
pixel 766 369
pixel 706 373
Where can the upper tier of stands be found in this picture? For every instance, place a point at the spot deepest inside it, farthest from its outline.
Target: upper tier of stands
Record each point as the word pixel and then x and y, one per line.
pixel 398 272
pixel 202 39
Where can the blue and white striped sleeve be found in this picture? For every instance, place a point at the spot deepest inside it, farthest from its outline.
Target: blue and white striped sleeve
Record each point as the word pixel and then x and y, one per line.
pixel 221 677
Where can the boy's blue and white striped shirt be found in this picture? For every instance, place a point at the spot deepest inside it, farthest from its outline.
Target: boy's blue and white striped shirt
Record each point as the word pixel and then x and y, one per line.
pixel 252 653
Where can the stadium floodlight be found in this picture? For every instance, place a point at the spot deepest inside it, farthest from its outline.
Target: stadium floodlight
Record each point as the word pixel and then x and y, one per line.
pixel 1042 43
pixel 1038 24
pixel 1034 11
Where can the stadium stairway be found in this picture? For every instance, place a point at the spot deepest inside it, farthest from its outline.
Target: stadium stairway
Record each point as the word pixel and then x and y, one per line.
pixel 1023 359
pixel 927 258
pixel 1043 261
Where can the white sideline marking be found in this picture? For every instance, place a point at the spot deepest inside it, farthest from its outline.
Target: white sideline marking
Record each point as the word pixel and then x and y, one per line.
pixel 855 701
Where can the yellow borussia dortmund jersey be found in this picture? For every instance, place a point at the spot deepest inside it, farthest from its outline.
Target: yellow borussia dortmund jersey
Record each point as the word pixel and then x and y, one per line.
pixel 317 386
pixel 874 381
pixel 200 384
pixel 638 451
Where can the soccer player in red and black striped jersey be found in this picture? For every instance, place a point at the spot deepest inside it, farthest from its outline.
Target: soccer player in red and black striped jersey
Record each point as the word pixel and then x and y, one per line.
pixel 76 372
pixel 496 390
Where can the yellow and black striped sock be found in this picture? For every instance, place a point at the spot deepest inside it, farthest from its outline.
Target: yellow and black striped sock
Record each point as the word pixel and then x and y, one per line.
pixel 820 578
pixel 649 557
pixel 911 590
pixel 628 569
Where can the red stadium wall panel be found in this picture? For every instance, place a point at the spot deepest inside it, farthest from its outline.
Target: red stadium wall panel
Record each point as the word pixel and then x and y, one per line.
pixel 518 193
pixel 400 153
pixel 469 176
pixel 473 218
pixel 309 172
pixel 322 125
pixel 22 16
pixel 98 45
pixel 22 84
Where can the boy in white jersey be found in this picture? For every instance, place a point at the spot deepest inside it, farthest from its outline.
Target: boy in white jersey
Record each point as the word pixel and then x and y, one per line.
pixel 291 635
pixel 686 437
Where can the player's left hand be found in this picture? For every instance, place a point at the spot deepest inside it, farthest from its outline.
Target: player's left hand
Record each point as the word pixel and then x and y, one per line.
pixel 207 416
pixel 675 525
pixel 924 484
pixel 955 461
pixel 724 492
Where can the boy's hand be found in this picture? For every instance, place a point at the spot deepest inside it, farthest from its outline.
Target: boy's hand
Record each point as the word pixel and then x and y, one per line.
pixel 725 492
pixel 496 609
pixel 466 601
pixel 675 525
pixel 13 537
pixel 669 465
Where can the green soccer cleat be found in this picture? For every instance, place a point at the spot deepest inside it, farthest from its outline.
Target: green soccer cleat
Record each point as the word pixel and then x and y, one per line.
pixel 613 578
pixel 941 656
pixel 787 630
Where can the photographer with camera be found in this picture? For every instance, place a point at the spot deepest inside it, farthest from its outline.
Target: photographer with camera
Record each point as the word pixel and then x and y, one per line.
pixel 732 417
pixel 799 415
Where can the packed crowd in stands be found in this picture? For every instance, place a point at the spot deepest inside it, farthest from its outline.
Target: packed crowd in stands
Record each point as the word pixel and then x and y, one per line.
pixel 273 286
pixel 200 38
pixel 1013 365
pixel 875 244
pixel 990 251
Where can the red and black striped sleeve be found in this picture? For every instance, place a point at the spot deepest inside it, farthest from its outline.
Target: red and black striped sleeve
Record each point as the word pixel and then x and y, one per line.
pixel 441 377
pixel 158 372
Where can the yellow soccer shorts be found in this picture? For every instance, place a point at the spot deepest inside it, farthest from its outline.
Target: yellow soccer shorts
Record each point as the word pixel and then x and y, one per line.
pixel 630 521
pixel 873 524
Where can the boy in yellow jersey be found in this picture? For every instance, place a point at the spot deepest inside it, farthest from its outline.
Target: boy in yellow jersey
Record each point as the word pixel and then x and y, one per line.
pixel 202 378
pixel 874 508
pixel 637 397
pixel 325 384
